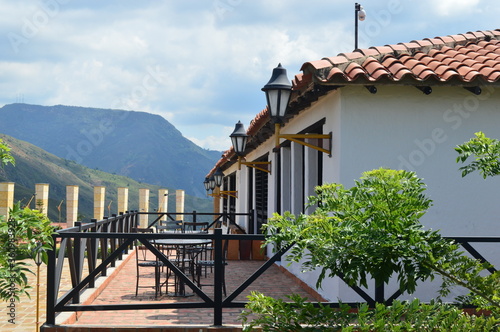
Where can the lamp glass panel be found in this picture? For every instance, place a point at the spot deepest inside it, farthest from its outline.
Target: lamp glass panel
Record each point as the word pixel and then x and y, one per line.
pixel 272 102
pixel 283 104
pixel 218 177
pixel 239 143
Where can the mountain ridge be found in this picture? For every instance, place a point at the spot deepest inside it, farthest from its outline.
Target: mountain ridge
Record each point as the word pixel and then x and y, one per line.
pixel 140 145
pixel 34 165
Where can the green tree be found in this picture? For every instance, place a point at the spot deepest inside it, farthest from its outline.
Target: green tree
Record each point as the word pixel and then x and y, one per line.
pixel 373 230
pixel 5 156
pixel 24 232
pixel 485 152
pixel 21 235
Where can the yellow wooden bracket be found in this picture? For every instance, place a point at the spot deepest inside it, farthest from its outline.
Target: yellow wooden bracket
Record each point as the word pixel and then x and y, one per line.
pixel 300 139
pixel 264 166
pixel 221 194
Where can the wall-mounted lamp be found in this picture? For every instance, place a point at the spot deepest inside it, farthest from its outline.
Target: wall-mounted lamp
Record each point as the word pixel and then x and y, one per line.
pixel 278 91
pixel 427 90
pixel 239 140
pixel 215 181
pixel 474 89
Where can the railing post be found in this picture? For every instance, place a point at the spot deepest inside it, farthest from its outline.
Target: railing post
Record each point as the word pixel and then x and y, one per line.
pixel 218 275
pixel 104 247
pixel 251 221
pixel 194 216
pixel 51 286
pixel 92 252
pixel 120 229
pixel 77 243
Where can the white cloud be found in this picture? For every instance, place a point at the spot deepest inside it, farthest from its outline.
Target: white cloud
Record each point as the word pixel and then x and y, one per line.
pixel 212 60
pixel 455 7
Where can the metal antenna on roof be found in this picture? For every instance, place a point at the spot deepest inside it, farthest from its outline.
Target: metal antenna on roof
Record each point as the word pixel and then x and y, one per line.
pixel 359 15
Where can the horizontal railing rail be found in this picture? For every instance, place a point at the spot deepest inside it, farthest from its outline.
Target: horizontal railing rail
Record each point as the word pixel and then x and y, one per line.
pixel 216 218
pixel 113 237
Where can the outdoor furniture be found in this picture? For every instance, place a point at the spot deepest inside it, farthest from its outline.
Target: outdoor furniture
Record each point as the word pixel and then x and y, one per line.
pixel 183 259
pixel 168 226
pixel 147 263
pixel 195 226
pixel 205 264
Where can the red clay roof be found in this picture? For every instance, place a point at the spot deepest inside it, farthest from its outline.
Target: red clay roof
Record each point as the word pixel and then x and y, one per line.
pixel 471 58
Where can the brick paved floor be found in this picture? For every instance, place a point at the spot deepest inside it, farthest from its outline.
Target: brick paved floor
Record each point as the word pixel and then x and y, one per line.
pixel 122 290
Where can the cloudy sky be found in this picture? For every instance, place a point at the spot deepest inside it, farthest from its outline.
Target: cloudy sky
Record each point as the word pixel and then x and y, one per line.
pixel 200 64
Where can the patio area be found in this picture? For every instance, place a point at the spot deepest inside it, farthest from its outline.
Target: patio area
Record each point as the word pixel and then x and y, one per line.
pixel 120 289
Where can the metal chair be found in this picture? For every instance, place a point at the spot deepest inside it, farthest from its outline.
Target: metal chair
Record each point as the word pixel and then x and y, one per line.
pixel 189 226
pixel 168 226
pixel 205 264
pixel 143 262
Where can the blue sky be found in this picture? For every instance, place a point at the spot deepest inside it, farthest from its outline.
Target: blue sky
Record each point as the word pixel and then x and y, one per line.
pixel 199 64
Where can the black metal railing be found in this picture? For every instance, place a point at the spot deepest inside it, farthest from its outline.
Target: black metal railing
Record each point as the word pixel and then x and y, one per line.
pixel 113 237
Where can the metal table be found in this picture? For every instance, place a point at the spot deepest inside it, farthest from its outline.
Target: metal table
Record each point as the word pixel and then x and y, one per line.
pixel 180 245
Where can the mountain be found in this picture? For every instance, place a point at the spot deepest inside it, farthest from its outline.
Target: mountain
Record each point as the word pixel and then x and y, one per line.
pixel 34 165
pixel 139 145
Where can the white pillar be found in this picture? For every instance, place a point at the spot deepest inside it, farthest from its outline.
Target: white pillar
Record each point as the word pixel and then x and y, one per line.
pixel 122 199
pixel 179 203
pixel 296 183
pixel 71 205
pixel 42 197
pixel 6 198
pixel 99 197
pixel 143 207
pixel 163 202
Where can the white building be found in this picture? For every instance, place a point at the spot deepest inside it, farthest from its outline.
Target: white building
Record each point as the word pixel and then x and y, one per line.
pixel 403 106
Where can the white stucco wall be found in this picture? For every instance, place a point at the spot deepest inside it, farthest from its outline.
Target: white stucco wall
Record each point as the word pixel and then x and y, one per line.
pixel 401 128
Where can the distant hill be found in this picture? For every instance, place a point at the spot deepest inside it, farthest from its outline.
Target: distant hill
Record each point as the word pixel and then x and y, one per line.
pixel 139 145
pixel 34 165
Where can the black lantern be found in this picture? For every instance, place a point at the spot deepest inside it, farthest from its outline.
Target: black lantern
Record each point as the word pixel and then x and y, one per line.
pixel 218 177
pixel 211 182
pixel 38 254
pixel 206 183
pixel 239 139
pixel 278 91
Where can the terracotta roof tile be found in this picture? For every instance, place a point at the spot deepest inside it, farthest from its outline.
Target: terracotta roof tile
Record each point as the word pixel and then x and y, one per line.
pixel 398 48
pixel 352 55
pixel 462 59
pixel 422 43
pixel 383 49
pixel 369 51
pixel 453 59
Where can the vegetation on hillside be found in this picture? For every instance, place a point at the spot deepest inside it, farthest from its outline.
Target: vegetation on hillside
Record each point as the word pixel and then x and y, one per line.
pixel 34 165
pixel 138 145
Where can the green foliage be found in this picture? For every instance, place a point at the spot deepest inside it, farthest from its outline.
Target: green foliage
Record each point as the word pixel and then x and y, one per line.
pixel 486 154
pixel 25 232
pixel 373 230
pixel 369 230
pixel 298 315
pixel 5 155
